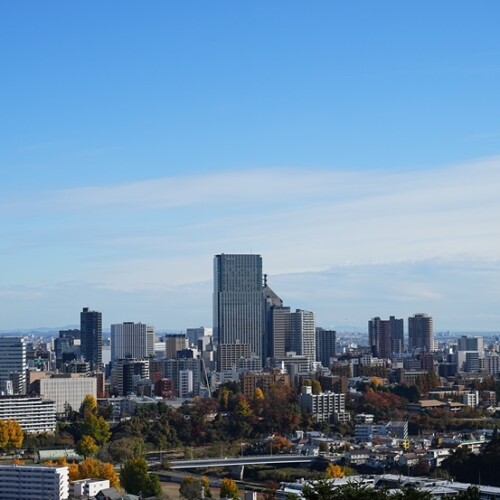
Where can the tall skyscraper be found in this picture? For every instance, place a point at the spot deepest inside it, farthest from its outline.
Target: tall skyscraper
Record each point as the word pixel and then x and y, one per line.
pixel 238 301
pixel 420 332
pixel 325 345
pixel 13 365
pixel 279 331
pixel 131 340
pixel 385 336
pixel 303 335
pixel 91 337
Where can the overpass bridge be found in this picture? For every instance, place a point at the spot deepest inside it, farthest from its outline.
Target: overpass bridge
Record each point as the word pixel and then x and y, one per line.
pixel 240 461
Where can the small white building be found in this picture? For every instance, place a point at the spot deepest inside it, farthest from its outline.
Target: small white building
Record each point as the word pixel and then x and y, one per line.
pixel 88 488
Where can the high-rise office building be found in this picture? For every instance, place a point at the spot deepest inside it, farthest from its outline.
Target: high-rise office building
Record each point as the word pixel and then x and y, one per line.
pixel 272 303
pixel 195 334
pixel 91 337
pixel 127 374
pixel 303 334
pixel 131 340
pixel 420 332
pixel 279 331
pixel 229 354
pixel 292 332
pixel 325 345
pixel 172 369
pixel 238 301
pixel 173 343
pixel 13 365
pixel 67 347
pixel 385 336
pixel 466 343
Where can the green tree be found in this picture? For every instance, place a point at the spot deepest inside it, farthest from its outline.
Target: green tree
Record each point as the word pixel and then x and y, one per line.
pixel 190 488
pixel 134 478
pixel 471 493
pixel 124 448
pixel 86 446
pixel 411 494
pixel 326 490
pixel 229 489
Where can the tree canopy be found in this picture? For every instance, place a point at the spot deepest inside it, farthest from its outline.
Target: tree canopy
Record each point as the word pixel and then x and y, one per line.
pixel 135 479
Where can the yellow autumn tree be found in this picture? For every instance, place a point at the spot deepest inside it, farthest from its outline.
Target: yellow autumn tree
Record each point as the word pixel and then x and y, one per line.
pixel 90 467
pixel 108 472
pixel 16 434
pixel 4 435
pixel 89 404
pixel 229 489
pixel 87 446
pixel 74 472
pixel 259 393
pixel 335 471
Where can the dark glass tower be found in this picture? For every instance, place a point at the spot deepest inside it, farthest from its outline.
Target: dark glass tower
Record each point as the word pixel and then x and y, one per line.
pixel 385 336
pixel 325 345
pixel 91 337
pixel 238 300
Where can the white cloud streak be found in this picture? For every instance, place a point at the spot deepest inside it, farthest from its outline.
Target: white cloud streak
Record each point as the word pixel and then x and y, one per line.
pixel 160 233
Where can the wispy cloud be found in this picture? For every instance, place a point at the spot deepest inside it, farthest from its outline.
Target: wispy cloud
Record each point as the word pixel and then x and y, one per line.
pixel 148 235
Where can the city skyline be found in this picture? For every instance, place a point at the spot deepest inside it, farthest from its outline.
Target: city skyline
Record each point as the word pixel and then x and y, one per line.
pixel 356 147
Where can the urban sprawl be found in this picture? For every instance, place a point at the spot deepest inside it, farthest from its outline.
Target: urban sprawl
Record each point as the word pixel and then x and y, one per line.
pixel 265 403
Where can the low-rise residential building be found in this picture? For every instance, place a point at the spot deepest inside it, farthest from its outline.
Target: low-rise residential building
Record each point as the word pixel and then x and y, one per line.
pixel 325 406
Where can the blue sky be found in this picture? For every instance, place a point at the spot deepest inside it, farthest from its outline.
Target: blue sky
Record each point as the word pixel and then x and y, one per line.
pixel 352 144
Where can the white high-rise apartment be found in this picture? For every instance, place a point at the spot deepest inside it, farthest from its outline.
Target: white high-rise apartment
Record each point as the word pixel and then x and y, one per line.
pixel 23 482
pixel 131 340
pixel 13 364
pixel 238 300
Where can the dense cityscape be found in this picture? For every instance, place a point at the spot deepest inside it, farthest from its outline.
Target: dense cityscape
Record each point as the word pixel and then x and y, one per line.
pixel 263 386
pixel 250 250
